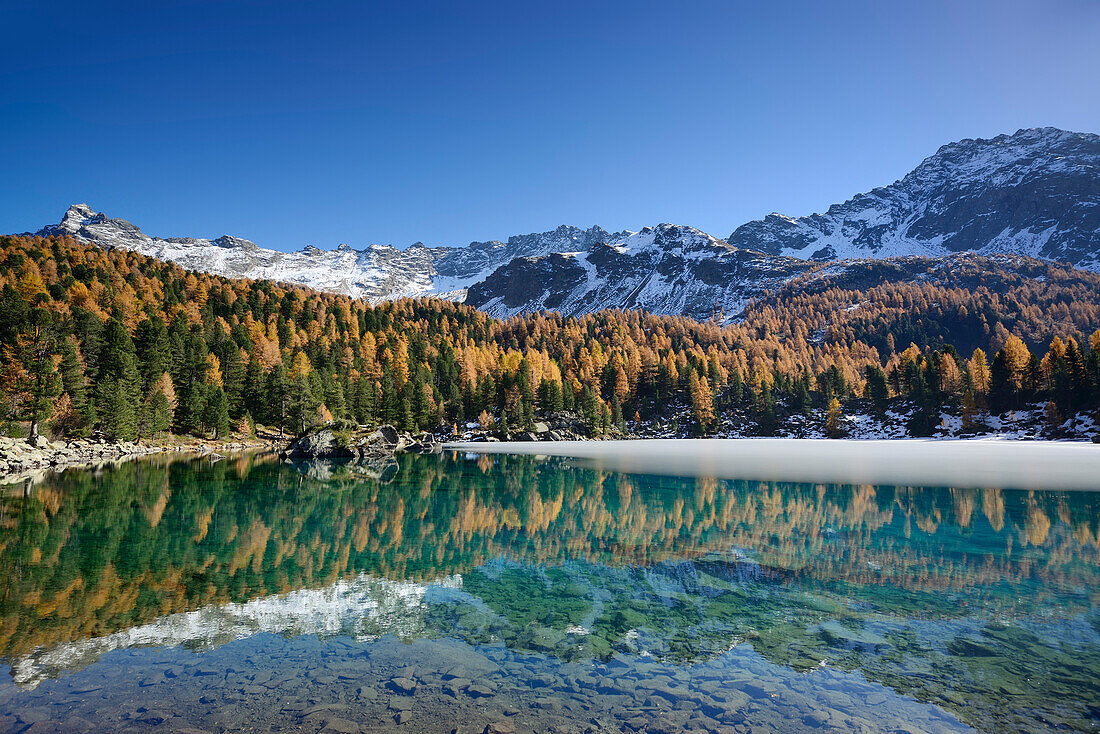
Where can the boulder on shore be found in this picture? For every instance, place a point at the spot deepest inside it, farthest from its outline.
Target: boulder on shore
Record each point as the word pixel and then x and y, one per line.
pixel 385 441
pixel 320 444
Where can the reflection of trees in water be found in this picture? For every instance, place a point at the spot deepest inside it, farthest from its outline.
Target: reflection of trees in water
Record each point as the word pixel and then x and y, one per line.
pixel 92 552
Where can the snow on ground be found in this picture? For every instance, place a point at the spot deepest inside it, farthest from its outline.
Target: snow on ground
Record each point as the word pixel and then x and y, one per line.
pixel 1032 465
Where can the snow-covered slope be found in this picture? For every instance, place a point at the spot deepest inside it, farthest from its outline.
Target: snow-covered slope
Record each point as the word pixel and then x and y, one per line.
pixel 669 269
pixel 378 272
pixel 1034 193
pixel 375 272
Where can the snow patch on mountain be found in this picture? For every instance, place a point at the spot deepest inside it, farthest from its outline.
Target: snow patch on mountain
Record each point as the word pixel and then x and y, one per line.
pixel 670 269
pixel 1034 193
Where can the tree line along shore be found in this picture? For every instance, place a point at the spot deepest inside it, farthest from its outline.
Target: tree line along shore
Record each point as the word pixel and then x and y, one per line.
pixel 115 345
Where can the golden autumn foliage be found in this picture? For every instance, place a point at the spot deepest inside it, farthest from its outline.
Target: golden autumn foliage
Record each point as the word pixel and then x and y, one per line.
pixel 427 363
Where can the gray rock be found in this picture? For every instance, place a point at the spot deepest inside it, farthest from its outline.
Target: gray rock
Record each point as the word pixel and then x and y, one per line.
pixel 320 444
pixel 337 725
pixel 403 685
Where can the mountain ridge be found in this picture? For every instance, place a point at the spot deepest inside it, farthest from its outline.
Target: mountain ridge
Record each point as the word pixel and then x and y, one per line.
pixel 1035 192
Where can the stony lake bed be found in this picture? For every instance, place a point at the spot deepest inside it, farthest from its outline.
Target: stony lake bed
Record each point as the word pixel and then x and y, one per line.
pixel 477 592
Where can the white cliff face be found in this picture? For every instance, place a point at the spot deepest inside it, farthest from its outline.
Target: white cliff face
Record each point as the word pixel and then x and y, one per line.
pixel 363 608
pixel 1034 193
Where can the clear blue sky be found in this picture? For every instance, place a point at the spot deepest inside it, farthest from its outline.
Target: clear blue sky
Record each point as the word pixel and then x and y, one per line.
pixel 327 122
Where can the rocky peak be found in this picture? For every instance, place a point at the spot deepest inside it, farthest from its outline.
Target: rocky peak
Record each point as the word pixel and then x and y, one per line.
pixel 77 217
pixel 1033 193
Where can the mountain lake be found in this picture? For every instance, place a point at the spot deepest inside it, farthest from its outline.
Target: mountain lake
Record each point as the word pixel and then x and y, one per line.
pixel 478 592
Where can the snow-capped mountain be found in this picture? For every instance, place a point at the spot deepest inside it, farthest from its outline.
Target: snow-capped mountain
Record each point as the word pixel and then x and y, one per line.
pixel 1034 193
pixel 669 269
pixel 375 272
pixel 378 272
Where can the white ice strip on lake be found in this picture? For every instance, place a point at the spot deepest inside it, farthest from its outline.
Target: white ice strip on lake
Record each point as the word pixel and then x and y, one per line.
pixel 930 463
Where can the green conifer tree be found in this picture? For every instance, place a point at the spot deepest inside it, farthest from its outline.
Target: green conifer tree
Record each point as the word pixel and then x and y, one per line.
pixel 215 415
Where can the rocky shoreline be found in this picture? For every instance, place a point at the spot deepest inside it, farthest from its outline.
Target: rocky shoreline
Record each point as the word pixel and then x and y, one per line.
pixel 22 460
pixel 337 440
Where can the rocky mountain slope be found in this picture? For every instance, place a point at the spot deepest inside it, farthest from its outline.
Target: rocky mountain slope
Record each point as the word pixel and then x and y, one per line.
pixel 1034 193
pixel 669 269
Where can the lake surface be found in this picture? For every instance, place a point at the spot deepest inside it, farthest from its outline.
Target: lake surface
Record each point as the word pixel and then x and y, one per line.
pixel 525 594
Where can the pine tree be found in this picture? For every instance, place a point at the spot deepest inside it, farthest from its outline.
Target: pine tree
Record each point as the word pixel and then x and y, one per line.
pixel 153 347
pixel 875 389
pixel 366 401
pixel 234 375
pixel 567 398
pixel 800 398
pixel 765 411
pixel 735 388
pixel 391 410
pixel 969 412
pixel 422 403
pixel 277 390
pixel 833 417
pixel 1077 375
pixel 616 410
pixel 702 402
pixel 926 405
pixel 255 386
pixel 190 379
pixel 590 409
pixel 159 414
pixel 215 415
pixel 159 406
pixel 550 396
pixel 978 371
pixel 303 400
pixel 118 383
pixel 1002 393
pixel 31 375
pixel 74 384
pixel 118 417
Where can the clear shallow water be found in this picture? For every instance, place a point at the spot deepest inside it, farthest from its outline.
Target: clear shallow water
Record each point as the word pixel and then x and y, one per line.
pixel 507 591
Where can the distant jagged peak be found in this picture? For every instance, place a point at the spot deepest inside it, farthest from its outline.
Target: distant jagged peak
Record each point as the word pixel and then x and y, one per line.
pixel 78 216
pixel 79 212
pixel 1025 136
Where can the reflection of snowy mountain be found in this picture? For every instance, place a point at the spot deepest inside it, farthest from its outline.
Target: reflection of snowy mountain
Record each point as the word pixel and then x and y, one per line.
pixel 363 608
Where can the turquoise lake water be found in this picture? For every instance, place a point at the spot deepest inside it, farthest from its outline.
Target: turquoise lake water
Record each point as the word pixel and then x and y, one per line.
pixel 513 593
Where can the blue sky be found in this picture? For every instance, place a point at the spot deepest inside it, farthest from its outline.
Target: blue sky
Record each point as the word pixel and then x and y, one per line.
pixel 328 122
